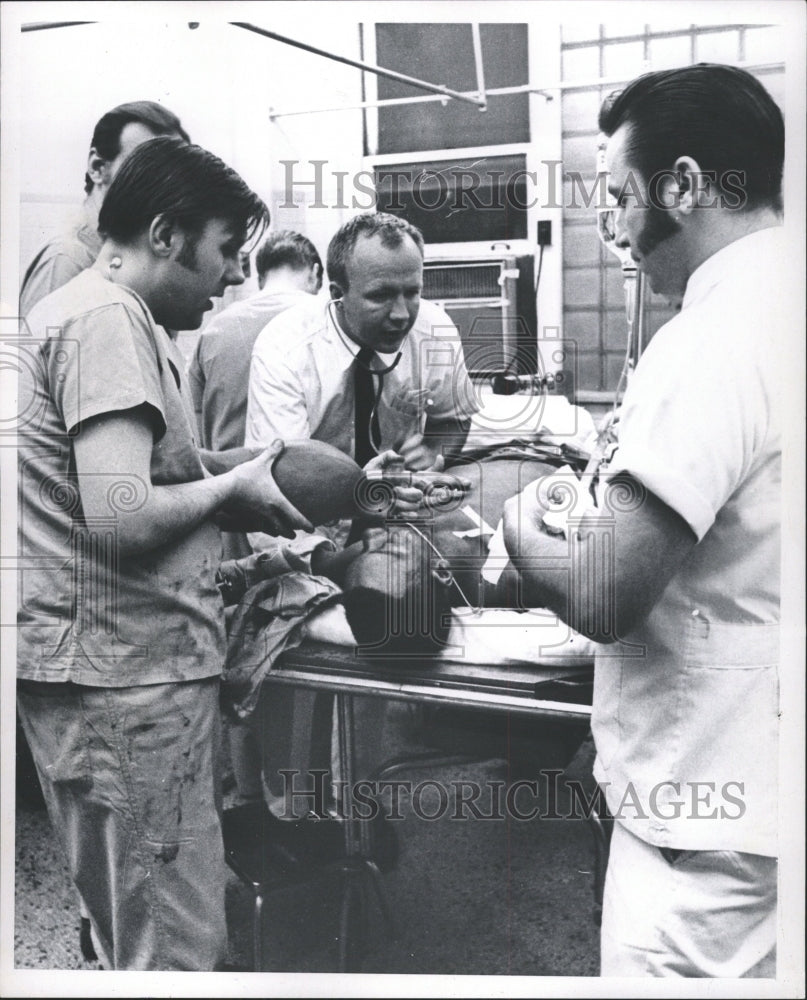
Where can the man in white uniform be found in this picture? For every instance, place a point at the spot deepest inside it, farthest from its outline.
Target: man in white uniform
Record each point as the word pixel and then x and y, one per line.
pixel 685 697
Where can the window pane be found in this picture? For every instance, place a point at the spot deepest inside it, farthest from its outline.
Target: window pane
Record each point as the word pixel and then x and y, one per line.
pixel 579 30
pixel 583 330
pixel 581 64
pixel 580 199
pixel 722 46
pixel 443 54
pixel 667 53
pixel 588 372
pixel 580 154
pixel 579 110
pixel 581 287
pixel 581 245
pixel 624 60
pixel 457 201
pixel 614 364
pixel 774 83
pixel 763 44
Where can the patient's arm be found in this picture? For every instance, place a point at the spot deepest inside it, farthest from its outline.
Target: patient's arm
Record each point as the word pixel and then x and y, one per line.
pixel 333 563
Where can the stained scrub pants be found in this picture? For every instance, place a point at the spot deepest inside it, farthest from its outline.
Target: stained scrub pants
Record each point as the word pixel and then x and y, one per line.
pixel 129 779
pixel 702 913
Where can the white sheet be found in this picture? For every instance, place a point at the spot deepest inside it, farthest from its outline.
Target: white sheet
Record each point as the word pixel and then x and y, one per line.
pixel 492 636
pixel 503 419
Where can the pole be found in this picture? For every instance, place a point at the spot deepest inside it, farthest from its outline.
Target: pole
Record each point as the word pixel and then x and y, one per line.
pixel 434 88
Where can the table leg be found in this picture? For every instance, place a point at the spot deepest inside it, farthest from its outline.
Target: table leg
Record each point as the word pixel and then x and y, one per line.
pixel 360 868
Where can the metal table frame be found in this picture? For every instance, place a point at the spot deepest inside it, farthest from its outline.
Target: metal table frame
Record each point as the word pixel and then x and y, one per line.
pixel 538 691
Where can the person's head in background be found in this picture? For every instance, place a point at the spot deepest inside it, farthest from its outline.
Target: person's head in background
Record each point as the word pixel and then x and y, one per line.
pixel 174 222
pixel 695 158
pixel 287 260
pixel 375 270
pixel 116 134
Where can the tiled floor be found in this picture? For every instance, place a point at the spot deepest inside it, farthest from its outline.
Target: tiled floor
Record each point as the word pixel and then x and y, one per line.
pixel 469 895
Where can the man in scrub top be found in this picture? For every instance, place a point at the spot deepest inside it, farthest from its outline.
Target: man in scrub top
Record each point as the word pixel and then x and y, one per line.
pixel 121 626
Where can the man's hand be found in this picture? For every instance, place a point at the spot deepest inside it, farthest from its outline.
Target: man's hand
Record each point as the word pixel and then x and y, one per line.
pixel 606 578
pixel 333 563
pixel 408 498
pixel 256 492
pixel 422 450
pixel 418 490
pixel 419 453
pixel 522 514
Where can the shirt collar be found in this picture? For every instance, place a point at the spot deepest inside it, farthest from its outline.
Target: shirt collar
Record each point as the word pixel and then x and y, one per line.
pixel 347 349
pixel 755 246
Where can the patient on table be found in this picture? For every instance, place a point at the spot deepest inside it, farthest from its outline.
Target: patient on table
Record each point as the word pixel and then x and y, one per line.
pixel 434 585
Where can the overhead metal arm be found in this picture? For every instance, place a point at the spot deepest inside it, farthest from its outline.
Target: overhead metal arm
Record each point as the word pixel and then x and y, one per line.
pixel 44 25
pixel 434 88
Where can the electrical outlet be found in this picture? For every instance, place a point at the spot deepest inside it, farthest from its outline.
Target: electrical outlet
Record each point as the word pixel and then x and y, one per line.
pixel 544 233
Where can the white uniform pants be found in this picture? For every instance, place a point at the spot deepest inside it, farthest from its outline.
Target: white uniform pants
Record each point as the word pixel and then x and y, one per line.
pixel 707 913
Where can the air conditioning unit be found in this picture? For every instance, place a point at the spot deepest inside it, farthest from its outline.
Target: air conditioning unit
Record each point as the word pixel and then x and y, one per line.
pixel 491 301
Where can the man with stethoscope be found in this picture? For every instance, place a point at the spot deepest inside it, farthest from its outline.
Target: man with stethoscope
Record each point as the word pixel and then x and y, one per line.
pixel 376 372
pixel 373 370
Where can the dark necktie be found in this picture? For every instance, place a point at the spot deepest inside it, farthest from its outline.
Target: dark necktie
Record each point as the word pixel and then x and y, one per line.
pixel 366 412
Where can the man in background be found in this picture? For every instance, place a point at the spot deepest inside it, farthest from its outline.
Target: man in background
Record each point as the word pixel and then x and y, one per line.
pixel 116 134
pixel 372 370
pixel 289 269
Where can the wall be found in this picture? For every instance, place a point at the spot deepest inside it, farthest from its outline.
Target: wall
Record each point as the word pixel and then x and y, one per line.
pixel 220 80
pixel 593 295
pixel 224 83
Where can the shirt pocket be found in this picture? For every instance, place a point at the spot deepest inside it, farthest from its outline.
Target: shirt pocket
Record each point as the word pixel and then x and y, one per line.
pixel 719 645
pixel 730 700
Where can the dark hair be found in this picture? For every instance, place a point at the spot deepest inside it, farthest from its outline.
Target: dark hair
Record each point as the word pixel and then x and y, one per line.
pixel 106 137
pixel 721 116
pixel 413 625
pixel 390 228
pixel 183 182
pixel 286 248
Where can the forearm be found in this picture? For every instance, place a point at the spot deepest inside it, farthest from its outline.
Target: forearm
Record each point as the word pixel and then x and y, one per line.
pixel 117 449
pixel 605 577
pixel 168 513
pixel 574 576
pixel 217 462
pixel 541 562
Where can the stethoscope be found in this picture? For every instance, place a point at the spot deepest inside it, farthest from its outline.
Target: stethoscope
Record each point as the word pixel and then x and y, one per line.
pixel 442 570
pixel 372 371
